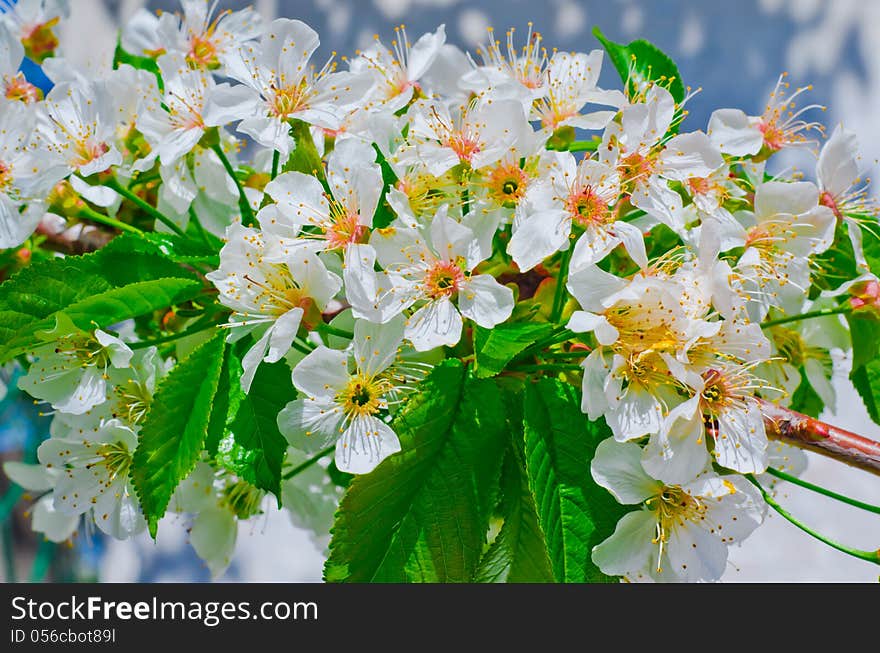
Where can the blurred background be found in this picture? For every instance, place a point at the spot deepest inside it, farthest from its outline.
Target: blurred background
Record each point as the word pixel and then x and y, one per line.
pixel 733 51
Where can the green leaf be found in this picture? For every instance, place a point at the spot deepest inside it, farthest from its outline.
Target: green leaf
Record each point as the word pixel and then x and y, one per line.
pixel 647 62
pixel 94 290
pixel 805 400
pixel 495 348
pixel 423 513
pixel 574 512
pixel 174 431
pixel 866 379
pixel 220 413
pixel 518 554
pixel 864 331
pixel 121 56
pixel 259 446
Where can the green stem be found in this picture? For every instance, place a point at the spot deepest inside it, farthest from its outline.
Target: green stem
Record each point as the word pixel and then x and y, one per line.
pixel 203 324
pixel 561 279
pixel 7 503
pixel 333 331
pixel 144 206
pixel 276 160
pixel 302 346
pixel 311 461
pixel 194 218
pixel 868 556
pixel 821 490
pixel 89 214
pixel 8 542
pixel 806 316
pixel 584 146
pixel 42 561
pixel 247 213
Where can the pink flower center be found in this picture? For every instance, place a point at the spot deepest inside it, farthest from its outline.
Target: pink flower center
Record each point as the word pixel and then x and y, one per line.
pixel 586 208
pixel 443 280
pixel 18 88
pixel 826 199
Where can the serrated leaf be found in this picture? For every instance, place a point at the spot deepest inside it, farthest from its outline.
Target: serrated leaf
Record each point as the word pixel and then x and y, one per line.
pixel 259 447
pixel 174 430
pixel 864 331
pixel 648 61
pixel 495 348
pixel 866 380
pixel 518 554
pixel 101 289
pixel 220 413
pixel 423 514
pixel 574 512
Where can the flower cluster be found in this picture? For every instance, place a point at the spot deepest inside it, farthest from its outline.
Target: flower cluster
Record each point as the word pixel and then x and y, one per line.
pixel 372 213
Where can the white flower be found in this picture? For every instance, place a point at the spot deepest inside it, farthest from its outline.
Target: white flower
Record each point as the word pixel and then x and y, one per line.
pixel 95 477
pixel 13 85
pixel 205 41
pixel 71 373
pixel 32 22
pixel 787 227
pixel 726 401
pixel 647 162
pixel 641 327
pixel 736 134
pixel 340 219
pixel 280 293
pixel 396 73
pixel 77 124
pixel 278 86
pixel 129 396
pixel 346 393
pixel 23 175
pixel 311 497
pixel 841 188
pixel 174 123
pixel 55 525
pixel 571 84
pixel 572 194
pixel 515 73
pixel 435 270
pixel 682 532
pixel 476 134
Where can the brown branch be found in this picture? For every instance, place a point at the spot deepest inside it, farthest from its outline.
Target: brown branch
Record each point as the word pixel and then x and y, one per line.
pixel 808 433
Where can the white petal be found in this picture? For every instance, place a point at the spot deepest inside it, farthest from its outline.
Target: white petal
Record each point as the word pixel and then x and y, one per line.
pixel 596 371
pixel 537 237
pixel 678 452
pixel 55 525
pixel 732 132
pixel 485 301
pixel 695 554
pixel 435 324
pixel 376 345
pixel 310 424
pixel 778 197
pixel 617 466
pixel 741 443
pixel 630 548
pixel 282 334
pixel 322 373
pixel 633 241
pixel 637 413
pixel 838 166
pixel 690 155
pixel 31 477
pixel 594 288
pixel 213 537
pixel 364 444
